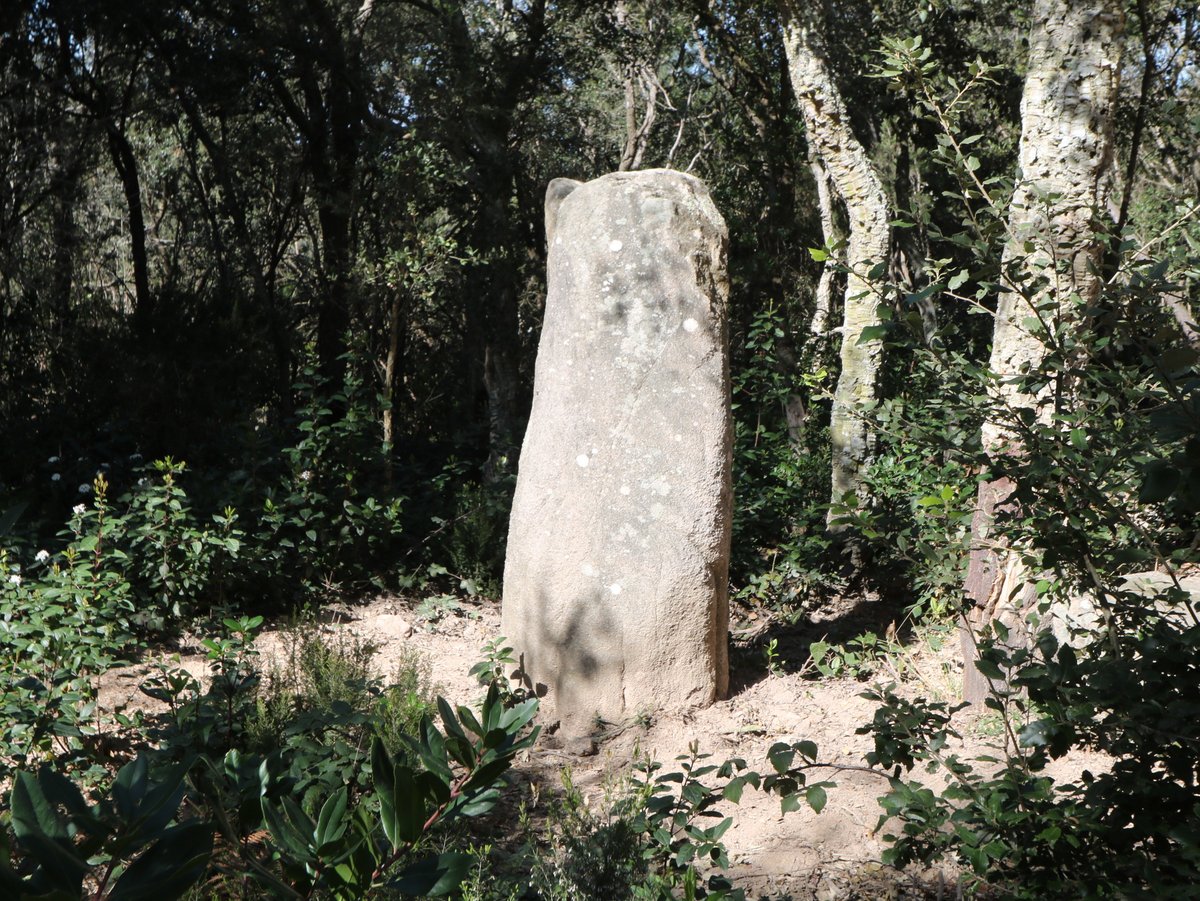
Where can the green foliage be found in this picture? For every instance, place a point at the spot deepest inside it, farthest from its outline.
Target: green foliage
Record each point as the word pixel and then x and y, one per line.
pixel 497 667
pixel 889 656
pixel 132 843
pixel 405 700
pixel 781 481
pixel 321 521
pixel 648 839
pixel 178 566
pixel 679 847
pixel 657 833
pixel 772 658
pixel 918 524
pixel 372 830
pixel 322 706
pixel 586 853
pixel 192 198
pixel 347 850
pixel 213 720
pixel 858 658
pixel 63 622
pixel 67 617
pixel 1104 485
pixel 478 534
pixel 1015 827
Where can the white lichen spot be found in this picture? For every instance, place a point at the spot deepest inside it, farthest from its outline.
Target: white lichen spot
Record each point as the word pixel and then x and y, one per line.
pixel 690 325
pixel 614 246
pixel 625 490
pixel 558 240
pixel 582 461
pixel 678 437
pixel 590 571
pixel 615 588
pixel 656 510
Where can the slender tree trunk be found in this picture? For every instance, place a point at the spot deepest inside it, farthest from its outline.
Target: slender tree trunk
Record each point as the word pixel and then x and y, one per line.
pixel 333 314
pixel 843 156
pixel 1053 254
pixel 127 170
pixel 66 187
pixel 823 306
pixel 501 325
pixel 393 378
pixel 331 114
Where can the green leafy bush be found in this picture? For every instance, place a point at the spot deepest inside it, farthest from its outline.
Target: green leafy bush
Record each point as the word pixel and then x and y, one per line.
pixel 373 831
pixel 177 566
pixel 1104 485
pixel 135 842
pixel 326 521
pixel 67 617
pixel 472 540
pixel 781 472
pixel 62 623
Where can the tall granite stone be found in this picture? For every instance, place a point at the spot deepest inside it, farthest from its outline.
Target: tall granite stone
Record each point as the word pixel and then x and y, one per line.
pixel 615 582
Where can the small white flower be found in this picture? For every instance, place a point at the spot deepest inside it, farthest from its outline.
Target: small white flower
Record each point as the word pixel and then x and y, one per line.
pixel 141 483
pixel 79 509
pixel 41 556
pixel 56 478
pixel 85 488
pixel 306 476
pixel 52 460
pixel 135 458
pixel 14 579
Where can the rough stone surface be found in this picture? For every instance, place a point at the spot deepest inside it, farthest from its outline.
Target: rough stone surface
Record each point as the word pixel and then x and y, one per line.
pixel 1080 619
pixel 615 582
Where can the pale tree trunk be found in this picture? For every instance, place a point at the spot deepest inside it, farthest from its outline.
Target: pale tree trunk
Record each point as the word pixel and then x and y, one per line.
pixel 1053 253
pixel 841 153
pixel 823 307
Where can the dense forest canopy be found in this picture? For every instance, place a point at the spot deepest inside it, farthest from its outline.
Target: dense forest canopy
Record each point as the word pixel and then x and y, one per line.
pixel 271 285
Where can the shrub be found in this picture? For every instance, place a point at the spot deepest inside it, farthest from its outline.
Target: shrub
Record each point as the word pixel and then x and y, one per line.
pixel 325 520
pixel 781 473
pixel 1106 485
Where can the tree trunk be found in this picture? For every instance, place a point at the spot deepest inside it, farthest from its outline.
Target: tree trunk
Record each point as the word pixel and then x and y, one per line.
pixel 393 378
pixel 67 163
pixel 126 165
pixel 828 128
pixel 1053 252
pixel 823 307
pixel 501 324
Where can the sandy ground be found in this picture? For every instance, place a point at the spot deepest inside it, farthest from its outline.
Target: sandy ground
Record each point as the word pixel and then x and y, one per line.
pixel 800 855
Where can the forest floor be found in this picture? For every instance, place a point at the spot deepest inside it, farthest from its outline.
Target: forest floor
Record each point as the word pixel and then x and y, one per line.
pixel 799 855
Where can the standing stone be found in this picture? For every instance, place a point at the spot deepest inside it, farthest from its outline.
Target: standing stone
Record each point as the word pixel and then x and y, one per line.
pixel 615 582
